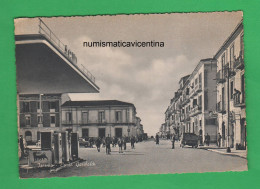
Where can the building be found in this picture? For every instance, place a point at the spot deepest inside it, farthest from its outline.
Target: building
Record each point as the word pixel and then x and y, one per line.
pixel 191 108
pixel 46 70
pixel 231 90
pixel 100 118
pixel 200 99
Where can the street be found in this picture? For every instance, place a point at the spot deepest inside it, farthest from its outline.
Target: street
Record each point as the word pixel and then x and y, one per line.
pixel 147 158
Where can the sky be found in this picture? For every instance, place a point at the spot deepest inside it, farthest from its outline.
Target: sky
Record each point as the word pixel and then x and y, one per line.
pixel 146 77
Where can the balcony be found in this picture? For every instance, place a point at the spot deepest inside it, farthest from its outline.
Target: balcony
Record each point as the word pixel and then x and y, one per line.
pixel 220 77
pixel 196 110
pixel 182 117
pixel 198 88
pixel 239 99
pixel 187 116
pixel 67 122
pixel 220 107
pixel 186 100
pixel 239 63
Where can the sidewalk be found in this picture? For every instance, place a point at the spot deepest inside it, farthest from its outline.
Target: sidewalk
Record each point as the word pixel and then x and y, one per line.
pixel 234 152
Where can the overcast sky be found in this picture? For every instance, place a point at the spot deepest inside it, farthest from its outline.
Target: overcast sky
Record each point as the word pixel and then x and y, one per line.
pixel 147 77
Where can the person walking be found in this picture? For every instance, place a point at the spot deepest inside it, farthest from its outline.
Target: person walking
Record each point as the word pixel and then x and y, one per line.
pixel 124 142
pixel 120 142
pixel 132 142
pixel 207 139
pixel 219 139
pixel 157 139
pixel 173 141
pixel 98 143
pixel 108 143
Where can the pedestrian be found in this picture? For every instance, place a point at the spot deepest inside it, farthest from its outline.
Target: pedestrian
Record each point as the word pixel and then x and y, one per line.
pixel 173 141
pixel 219 139
pixel 108 143
pixel 207 139
pixel 119 142
pixel 157 139
pixel 98 143
pixel 21 146
pixel 124 142
pixel 132 142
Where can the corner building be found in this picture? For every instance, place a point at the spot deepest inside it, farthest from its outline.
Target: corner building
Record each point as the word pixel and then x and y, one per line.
pixel 231 108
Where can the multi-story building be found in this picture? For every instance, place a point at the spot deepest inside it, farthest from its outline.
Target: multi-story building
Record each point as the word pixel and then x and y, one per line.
pixel 191 108
pixel 201 94
pixel 99 118
pixel 231 90
pixel 46 69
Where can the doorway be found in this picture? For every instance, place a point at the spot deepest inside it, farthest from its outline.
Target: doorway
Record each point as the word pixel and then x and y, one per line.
pixel 85 133
pixel 102 132
pixel 119 132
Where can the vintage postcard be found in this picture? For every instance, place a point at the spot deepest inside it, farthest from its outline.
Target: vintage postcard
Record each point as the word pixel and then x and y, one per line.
pixel 131 94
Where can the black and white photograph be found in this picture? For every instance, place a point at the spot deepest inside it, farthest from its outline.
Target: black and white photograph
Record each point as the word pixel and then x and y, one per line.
pixel 130 94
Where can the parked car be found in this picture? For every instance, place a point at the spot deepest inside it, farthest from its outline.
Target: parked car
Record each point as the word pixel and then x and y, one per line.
pixel 83 142
pixel 189 139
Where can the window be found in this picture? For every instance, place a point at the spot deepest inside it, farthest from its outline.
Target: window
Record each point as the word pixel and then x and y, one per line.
pixel 231 89
pixel 200 123
pixel 232 55
pixel 242 45
pixel 200 100
pixel 68 116
pixel 53 119
pixel 223 61
pixel 118 116
pixel 200 79
pixel 52 105
pixel 194 102
pixel 187 91
pixel 243 87
pixel 101 117
pixel 39 118
pixel 26 106
pixel 27 120
pixel 84 117
pixel 38 105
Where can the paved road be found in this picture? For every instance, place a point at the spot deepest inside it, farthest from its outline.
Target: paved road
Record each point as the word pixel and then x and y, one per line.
pixel 148 158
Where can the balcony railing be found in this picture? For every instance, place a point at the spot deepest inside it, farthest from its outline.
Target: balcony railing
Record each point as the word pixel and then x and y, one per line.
pixel 198 88
pixel 46 31
pixel 239 62
pixel 196 110
pixel 220 107
pixel 239 99
pixel 220 77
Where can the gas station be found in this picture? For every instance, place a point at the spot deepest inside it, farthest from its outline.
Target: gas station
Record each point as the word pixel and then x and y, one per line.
pixel 45 67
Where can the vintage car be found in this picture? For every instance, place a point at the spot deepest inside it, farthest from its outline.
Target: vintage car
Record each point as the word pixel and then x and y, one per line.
pixel 189 139
pixel 83 142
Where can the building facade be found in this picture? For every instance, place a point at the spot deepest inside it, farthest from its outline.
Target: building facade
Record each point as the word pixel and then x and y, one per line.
pixel 190 110
pixel 231 90
pixel 212 99
pixel 100 118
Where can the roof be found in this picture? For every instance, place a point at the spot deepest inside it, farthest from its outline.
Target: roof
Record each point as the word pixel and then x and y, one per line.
pixel 96 103
pixel 235 32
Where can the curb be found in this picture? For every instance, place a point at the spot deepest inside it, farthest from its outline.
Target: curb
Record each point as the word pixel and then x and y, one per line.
pixel 225 153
